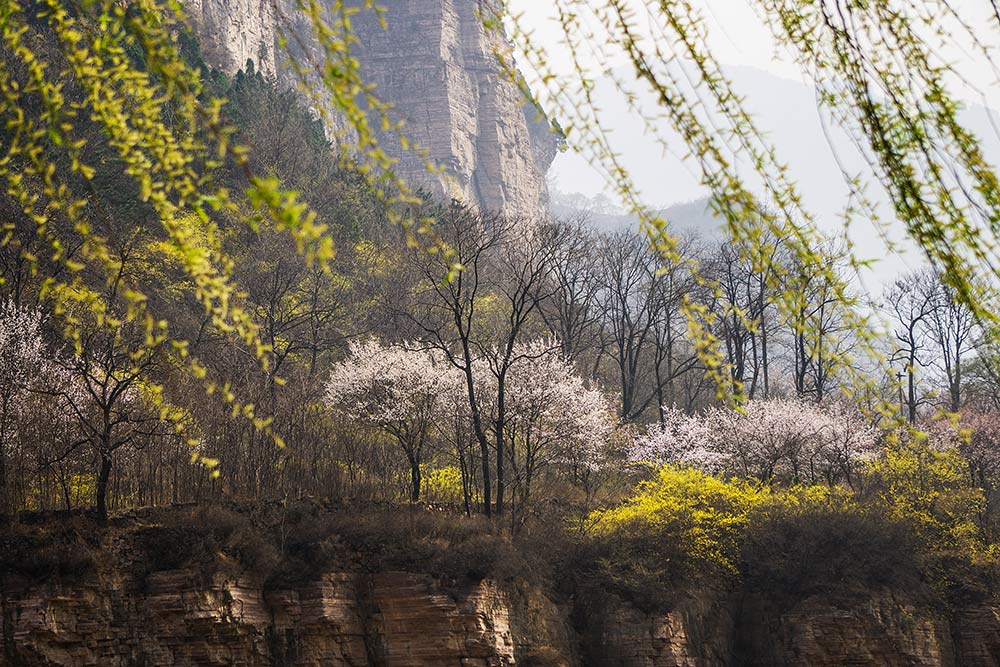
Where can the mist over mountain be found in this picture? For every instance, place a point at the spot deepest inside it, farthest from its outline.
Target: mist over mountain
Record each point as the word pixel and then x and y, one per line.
pixel 817 153
pixel 686 218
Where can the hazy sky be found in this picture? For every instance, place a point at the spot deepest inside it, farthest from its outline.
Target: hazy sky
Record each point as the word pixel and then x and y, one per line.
pixel 740 38
pixel 781 100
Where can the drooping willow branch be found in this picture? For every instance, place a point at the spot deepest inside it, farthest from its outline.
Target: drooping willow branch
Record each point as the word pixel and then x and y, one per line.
pixel 876 74
pixel 171 140
pixel 872 62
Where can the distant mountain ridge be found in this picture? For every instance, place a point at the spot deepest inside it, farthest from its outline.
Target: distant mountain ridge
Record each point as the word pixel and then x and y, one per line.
pixel 786 111
pixel 691 217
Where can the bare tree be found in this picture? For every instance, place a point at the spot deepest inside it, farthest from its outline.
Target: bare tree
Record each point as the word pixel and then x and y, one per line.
pixel 911 303
pixel 741 303
pixel 478 315
pixel 821 338
pixel 521 273
pixel 673 357
pixel 571 312
pixel 630 295
pixel 952 329
pixel 111 369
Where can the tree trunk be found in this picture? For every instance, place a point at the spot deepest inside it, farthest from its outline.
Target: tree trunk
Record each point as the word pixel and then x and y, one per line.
pixel 763 355
pixel 956 387
pixel 500 464
pixel 4 492
pixel 501 425
pixel 414 481
pixel 477 421
pixel 3 479
pixel 466 482
pixel 912 395
pixel 64 484
pixel 671 401
pixel 102 487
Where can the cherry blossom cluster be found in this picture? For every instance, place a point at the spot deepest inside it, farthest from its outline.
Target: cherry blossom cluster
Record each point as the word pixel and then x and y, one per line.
pixel 22 350
pixel 976 434
pixel 387 384
pixel 796 441
pixel 552 411
pixel 550 414
pixel 35 391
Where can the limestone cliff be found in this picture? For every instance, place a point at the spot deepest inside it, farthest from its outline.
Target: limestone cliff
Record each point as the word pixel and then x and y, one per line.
pixel 884 629
pixel 342 619
pixel 434 63
pixel 399 619
pixel 156 592
pixel 230 32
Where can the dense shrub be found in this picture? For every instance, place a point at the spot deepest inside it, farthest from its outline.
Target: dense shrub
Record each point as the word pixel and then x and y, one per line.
pixel 680 527
pixel 443 485
pixel 915 528
pixel 200 535
pixel 811 541
pixel 63 546
pixel 930 491
pixel 403 538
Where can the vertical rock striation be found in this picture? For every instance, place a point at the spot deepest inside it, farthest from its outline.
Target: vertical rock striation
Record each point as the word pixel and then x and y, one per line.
pixel 180 617
pixel 886 630
pixel 157 590
pixel 230 32
pixel 435 65
pixel 698 632
pixel 397 619
pixel 720 629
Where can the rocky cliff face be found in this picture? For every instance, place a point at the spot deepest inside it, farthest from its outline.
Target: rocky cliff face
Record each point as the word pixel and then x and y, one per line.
pixel 399 619
pixel 342 619
pixel 435 65
pixel 230 32
pixel 884 630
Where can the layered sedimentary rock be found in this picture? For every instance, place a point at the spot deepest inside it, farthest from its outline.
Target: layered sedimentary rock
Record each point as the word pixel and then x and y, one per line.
pixel 695 633
pixel 435 64
pixel 739 630
pixel 405 619
pixel 181 617
pixel 885 630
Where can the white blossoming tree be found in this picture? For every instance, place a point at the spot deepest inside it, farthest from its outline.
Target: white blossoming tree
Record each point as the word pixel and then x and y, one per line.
pixel 681 439
pixel 976 435
pixel 848 439
pixel 106 388
pixel 552 416
pixel 777 439
pixel 403 391
pixel 22 354
pixel 38 430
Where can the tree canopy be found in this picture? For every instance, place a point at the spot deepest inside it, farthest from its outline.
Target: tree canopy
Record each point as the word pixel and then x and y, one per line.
pixel 116 147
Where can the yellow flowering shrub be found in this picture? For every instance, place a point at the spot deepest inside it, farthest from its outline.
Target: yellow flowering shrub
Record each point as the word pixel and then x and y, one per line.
pixel 443 485
pixel 918 524
pixel 931 490
pixel 683 524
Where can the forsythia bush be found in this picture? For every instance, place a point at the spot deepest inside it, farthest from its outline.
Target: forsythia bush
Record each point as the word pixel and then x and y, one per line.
pixel 931 491
pixel 443 485
pixel 918 522
pixel 679 524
